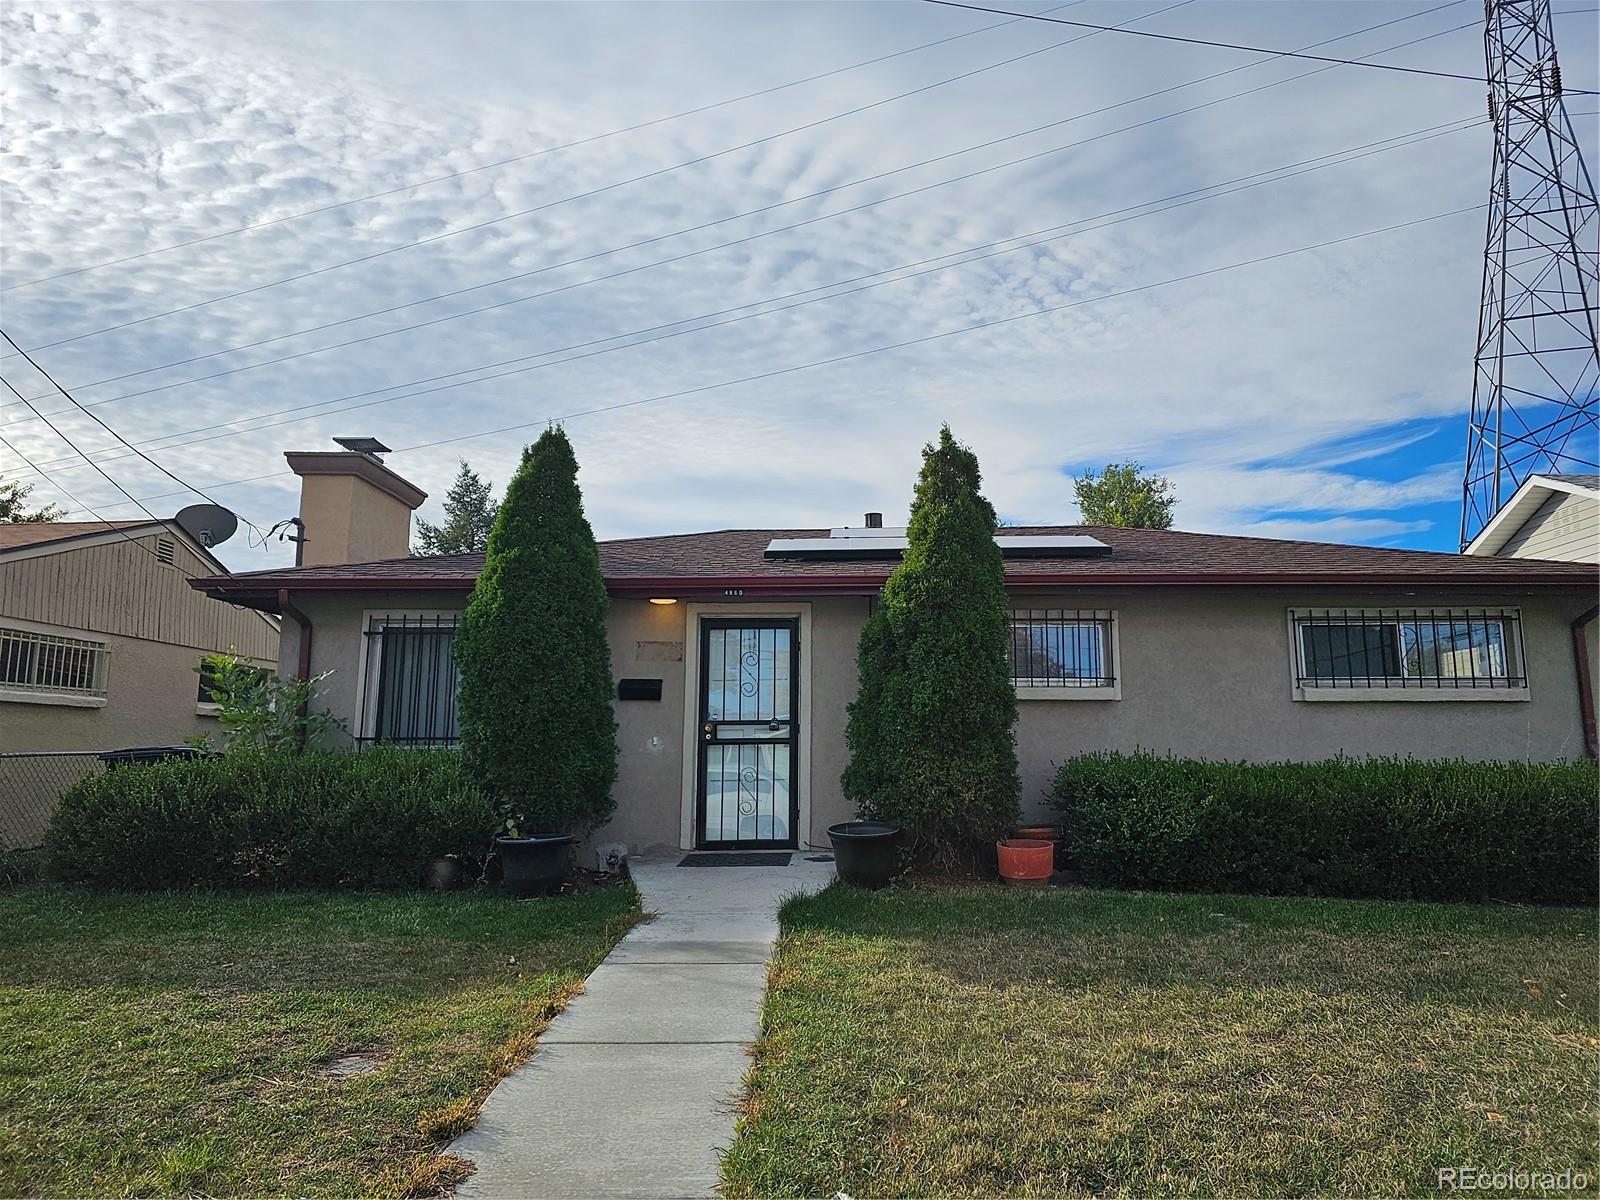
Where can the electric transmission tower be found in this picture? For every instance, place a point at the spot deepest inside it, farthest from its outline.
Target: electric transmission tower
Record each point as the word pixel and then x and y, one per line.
pixel 1536 373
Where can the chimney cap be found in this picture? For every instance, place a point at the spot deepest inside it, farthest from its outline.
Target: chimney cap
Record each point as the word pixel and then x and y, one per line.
pixel 363 445
pixel 874 520
pixel 362 466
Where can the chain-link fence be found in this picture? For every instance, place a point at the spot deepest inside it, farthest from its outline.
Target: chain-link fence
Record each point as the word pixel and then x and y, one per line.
pixel 30 784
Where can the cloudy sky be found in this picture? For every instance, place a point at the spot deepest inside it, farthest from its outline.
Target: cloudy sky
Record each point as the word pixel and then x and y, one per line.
pixel 1072 248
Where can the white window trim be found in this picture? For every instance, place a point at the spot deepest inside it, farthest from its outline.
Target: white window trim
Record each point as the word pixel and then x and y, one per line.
pixel 95 698
pixel 367 714
pixel 1060 692
pixel 801 612
pixel 1419 692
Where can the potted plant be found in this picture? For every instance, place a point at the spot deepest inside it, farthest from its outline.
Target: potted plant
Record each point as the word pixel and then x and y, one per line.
pixel 866 854
pixel 1026 862
pixel 532 864
pixel 537 729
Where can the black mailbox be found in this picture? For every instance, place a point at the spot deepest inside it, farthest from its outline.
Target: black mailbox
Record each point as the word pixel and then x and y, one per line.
pixel 638 689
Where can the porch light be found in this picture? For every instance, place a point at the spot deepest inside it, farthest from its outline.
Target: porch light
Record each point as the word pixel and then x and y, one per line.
pixel 663 599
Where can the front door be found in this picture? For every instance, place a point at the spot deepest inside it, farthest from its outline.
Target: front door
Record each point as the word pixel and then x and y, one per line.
pixel 749 681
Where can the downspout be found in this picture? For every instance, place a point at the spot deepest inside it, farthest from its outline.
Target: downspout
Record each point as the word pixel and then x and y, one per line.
pixel 303 666
pixel 1580 647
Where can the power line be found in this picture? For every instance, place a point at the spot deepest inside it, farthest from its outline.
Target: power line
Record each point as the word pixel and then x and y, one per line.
pixel 1077 226
pixel 517 158
pixel 738 216
pixel 50 479
pixel 82 507
pixel 1194 41
pixel 549 204
pixel 32 362
pixel 927 338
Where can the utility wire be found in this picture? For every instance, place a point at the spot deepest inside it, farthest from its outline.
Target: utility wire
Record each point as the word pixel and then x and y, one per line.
pixel 989 249
pixel 737 216
pixel 517 158
pixel 82 507
pixel 31 361
pixel 927 338
pixel 1194 41
pixel 584 195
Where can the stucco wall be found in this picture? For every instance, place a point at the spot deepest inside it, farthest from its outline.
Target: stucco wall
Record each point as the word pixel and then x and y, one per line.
pixel 151 693
pixel 1203 674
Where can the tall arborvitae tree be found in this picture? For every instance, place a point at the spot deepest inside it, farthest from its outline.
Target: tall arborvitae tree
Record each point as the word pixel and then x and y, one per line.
pixel 537 727
pixel 469 512
pixel 932 729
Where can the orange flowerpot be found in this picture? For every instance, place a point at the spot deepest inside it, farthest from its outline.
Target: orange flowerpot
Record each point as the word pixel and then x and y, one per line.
pixel 1026 862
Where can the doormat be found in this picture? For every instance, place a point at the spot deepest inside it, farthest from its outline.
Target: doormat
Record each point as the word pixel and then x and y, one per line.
pixel 777 858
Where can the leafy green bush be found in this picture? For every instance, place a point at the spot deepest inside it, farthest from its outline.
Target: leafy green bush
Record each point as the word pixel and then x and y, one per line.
pixel 931 731
pixel 1381 827
pixel 323 820
pixel 537 727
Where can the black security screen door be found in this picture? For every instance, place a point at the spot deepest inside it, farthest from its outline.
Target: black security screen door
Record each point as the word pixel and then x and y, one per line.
pixel 749 680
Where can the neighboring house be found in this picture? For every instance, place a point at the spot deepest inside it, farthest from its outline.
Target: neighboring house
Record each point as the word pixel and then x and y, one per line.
pixel 100 635
pixel 1554 516
pixel 735 652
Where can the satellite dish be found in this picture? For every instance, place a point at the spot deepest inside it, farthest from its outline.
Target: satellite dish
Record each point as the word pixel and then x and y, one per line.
pixel 208 524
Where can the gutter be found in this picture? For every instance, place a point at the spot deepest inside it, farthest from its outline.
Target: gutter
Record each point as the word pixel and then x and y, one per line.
pixel 259 592
pixel 303 666
pixel 1580 650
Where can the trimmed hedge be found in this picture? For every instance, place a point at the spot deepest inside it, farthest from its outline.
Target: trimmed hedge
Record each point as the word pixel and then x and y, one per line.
pixel 370 820
pixel 1387 828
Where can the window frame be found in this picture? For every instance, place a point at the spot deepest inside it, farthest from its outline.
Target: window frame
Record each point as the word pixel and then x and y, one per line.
pixel 1104 620
pixel 1511 687
pixel 99 649
pixel 369 675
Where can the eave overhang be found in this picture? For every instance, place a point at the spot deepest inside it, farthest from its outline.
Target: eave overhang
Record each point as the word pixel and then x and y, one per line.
pixel 262 591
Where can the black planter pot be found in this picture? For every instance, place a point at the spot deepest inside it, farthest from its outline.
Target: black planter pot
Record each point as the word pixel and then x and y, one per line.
pixel 533 866
pixel 866 853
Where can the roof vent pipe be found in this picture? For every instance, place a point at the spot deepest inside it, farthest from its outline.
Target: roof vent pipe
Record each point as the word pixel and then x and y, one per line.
pixel 874 520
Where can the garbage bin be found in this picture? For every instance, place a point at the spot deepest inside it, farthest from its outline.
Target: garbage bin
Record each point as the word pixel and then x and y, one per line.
pixel 144 756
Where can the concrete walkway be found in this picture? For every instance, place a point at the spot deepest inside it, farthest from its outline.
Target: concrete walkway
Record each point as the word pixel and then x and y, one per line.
pixel 631 1091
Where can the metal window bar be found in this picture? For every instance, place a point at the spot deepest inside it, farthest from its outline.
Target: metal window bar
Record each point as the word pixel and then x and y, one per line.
pixel 1410 648
pixel 43 662
pixel 1060 647
pixel 412 681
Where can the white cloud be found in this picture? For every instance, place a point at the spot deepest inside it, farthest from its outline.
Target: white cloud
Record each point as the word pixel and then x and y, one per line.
pixel 133 126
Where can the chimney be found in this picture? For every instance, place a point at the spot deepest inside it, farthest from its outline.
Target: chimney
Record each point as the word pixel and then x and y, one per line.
pixel 352 507
pixel 874 520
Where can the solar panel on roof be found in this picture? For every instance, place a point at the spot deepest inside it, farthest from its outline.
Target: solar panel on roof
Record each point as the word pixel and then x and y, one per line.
pixel 845 545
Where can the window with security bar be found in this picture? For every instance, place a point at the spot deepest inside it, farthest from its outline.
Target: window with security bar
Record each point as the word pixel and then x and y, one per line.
pixel 411 681
pixel 1061 648
pixel 1410 648
pixel 48 664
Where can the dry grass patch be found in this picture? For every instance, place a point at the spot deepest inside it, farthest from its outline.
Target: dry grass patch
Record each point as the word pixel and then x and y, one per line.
pixel 974 1042
pixel 165 1045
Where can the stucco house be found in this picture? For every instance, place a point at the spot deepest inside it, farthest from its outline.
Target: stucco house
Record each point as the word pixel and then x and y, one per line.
pixel 734 654
pixel 100 636
pixel 1554 516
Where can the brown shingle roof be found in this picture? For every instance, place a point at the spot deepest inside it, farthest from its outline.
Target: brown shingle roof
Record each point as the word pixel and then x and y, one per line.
pixel 19 534
pixel 734 560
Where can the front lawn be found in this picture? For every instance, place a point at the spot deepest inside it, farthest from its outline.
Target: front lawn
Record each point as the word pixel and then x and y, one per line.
pixel 181 1044
pixel 973 1041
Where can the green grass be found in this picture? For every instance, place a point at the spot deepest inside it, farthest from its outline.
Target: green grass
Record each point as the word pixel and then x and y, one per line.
pixel 979 1042
pixel 175 1044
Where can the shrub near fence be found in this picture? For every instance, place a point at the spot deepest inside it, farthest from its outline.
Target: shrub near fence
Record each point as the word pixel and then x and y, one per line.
pixel 1381 828
pixel 370 820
